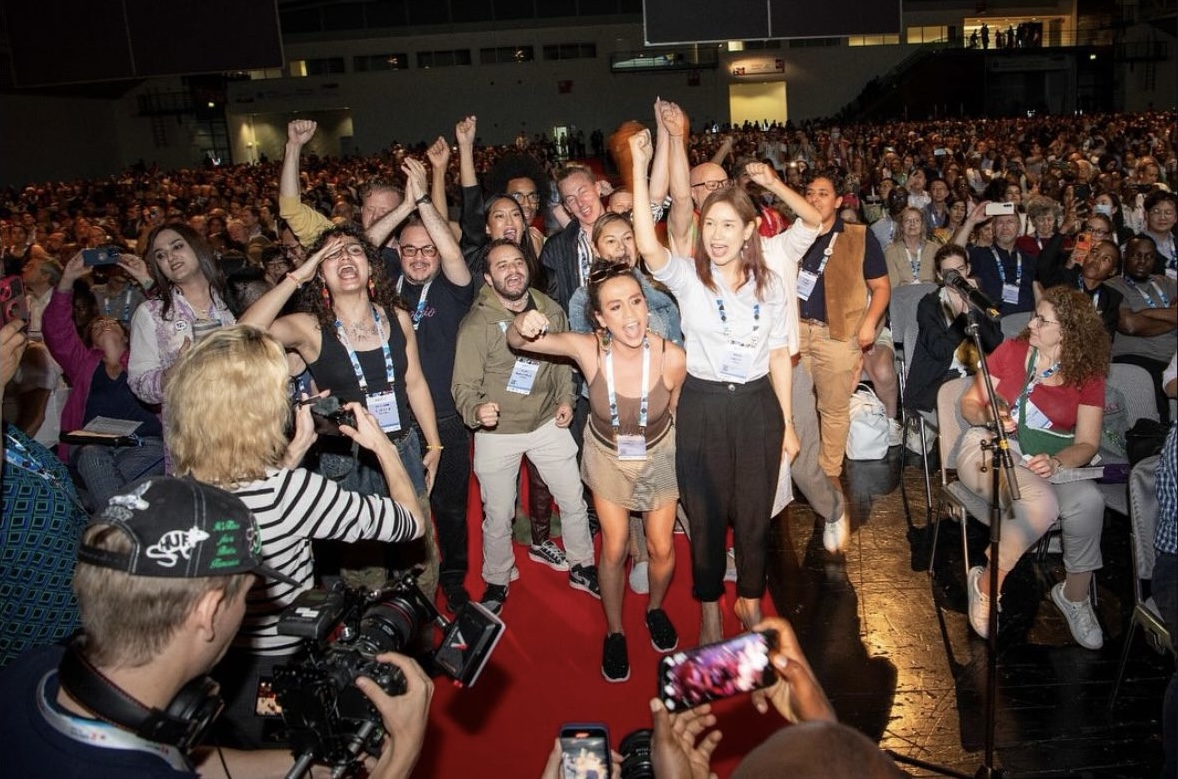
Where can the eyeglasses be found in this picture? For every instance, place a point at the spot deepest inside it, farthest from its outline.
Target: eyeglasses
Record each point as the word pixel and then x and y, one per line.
pixel 1096 229
pixel 352 249
pixel 714 184
pixel 1039 318
pixel 603 269
pixel 429 252
pixel 525 197
pixel 1163 212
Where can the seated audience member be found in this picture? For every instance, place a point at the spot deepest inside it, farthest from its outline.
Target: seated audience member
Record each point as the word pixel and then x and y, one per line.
pixel 105 704
pixel 39 529
pixel 943 350
pixel 98 375
pixel 887 228
pixel 122 292
pixel 1043 213
pixel 1051 382
pixel 1148 316
pixel 1100 262
pixel 228 427
pixel 1160 219
pixel 1004 273
pixel 910 256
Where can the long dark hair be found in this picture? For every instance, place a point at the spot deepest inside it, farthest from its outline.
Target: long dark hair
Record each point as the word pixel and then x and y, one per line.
pixel 204 258
pixel 538 274
pixel 751 259
pixel 383 293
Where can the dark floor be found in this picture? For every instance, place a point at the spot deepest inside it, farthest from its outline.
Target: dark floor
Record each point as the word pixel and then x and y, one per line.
pixel 894 652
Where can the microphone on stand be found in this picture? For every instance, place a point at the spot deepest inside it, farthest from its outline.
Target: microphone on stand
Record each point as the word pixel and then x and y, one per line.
pixel 975 296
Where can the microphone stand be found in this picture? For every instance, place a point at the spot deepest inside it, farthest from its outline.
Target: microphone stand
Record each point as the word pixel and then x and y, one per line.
pixel 1000 461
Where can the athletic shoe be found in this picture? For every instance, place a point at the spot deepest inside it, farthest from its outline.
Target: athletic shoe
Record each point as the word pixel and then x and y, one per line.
pixel 584 577
pixel 836 534
pixel 662 633
pixel 730 566
pixel 550 554
pixel 456 596
pixel 1081 619
pixel 615 663
pixel 895 432
pixel 979 603
pixel 640 578
pixel 494 597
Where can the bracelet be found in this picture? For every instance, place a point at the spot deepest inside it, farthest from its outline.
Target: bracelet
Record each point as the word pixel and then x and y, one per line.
pixel 298 284
pixel 423 200
pixel 1058 464
pixel 147 283
pixel 434 447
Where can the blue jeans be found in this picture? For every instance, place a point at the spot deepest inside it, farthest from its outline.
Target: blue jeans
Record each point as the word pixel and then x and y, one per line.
pixel 363 474
pixel 105 470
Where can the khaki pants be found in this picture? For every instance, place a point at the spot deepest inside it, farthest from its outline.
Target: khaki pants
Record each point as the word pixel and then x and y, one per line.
pixel 833 366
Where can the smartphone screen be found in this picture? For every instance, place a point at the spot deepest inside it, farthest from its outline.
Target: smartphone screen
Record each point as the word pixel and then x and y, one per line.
pixel 584 751
pixel 100 257
pixel 707 673
pixel 13 304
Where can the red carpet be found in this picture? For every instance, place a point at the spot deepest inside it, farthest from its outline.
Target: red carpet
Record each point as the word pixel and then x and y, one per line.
pixel 546 671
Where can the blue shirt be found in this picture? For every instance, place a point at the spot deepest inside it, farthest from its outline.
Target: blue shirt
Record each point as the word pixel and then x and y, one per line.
pixel 989 276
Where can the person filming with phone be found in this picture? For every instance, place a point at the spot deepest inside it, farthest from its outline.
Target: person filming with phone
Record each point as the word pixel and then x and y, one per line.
pixel 161 580
pixel 1004 274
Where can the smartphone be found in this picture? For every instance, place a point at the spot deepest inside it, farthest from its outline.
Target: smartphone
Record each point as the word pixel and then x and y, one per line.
pixel 584 750
pixel 1081 192
pixel 696 676
pixel 13 304
pixel 99 257
pixel 999 209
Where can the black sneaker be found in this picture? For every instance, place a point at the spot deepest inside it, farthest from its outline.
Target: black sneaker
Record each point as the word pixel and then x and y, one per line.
pixel 494 597
pixel 662 633
pixel 584 577
pixel 615 662
pixel 456 596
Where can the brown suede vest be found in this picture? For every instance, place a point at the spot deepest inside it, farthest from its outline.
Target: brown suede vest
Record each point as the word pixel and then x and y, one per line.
pixel 846 291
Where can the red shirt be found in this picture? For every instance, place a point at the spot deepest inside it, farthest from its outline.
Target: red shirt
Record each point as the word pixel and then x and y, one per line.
pixel 1008 364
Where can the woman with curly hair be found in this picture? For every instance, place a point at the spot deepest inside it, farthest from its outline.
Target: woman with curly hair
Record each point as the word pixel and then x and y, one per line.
pixel 359 344
pixel 1050 384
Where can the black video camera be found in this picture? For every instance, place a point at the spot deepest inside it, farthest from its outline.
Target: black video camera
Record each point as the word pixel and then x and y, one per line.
pixel 328 719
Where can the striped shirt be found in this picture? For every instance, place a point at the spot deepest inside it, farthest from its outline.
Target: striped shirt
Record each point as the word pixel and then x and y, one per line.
pixel 292 507
pixel 1166 536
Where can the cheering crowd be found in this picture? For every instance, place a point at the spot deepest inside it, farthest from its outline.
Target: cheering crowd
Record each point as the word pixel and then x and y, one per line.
pixel 673 346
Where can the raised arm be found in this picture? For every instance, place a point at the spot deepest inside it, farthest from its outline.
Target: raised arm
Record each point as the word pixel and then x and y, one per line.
pixel 464 133
pixel 976 217
pixel 453 264
pixel 767 177
pixel 660 170
pixel 439 160
pixel 304 221
pixel 724 150
pixel 380 230
pixel 529 332
pixel 655 254
pixel 682 213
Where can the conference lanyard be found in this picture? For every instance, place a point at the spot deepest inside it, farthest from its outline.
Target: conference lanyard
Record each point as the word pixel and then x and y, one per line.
pixel 1149 301
pixel 418 312
pixel 728 328
pixel 1095 295
pixel 1018 279
pixel 102 734
pixel 629 447
pixel 384 346
pixel 914 261
pixel 126 317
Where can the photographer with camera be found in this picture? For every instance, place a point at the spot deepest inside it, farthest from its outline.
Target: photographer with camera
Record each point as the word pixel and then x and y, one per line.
pixel 161 581
pixel 227 425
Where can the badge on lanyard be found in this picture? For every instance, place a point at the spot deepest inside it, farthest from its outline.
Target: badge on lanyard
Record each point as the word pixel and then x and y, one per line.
pixel 523 376
pixel 1010 293
pixel 631 447
pixel 806 281
pixel 383 406
pixel 737 362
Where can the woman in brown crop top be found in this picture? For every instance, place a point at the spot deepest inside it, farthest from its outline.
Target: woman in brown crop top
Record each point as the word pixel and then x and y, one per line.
pixel 629 452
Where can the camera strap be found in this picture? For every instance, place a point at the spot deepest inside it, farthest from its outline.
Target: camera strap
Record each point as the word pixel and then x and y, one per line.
pixel 104 735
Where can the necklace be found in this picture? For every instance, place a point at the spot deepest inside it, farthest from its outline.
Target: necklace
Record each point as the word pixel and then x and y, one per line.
pixel 359 330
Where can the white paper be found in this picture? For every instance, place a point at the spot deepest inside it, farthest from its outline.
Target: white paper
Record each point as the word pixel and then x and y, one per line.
pixel 110 426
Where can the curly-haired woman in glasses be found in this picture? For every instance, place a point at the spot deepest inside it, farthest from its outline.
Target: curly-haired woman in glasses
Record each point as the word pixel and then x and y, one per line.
pixel 628 459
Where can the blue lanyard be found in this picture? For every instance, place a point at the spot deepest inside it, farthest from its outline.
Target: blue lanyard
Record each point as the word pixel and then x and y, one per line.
pixel 914 261
pixel 1018 264
pixel 612 393
pixel 16 454
pixel 1095 295
pixel 126 317
pixel 418 312
pixel 1149 298
pixel 384 346
pixel 728 329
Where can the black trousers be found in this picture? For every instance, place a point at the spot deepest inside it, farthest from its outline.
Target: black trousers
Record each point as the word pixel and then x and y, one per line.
pixel 728 453
pixel 449 497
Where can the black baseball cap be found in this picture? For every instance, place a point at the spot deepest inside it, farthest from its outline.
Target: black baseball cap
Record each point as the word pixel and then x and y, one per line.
pixel 181 529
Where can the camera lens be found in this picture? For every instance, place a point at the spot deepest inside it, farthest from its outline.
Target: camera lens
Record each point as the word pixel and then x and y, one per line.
pixel 635 749
pixel 390 626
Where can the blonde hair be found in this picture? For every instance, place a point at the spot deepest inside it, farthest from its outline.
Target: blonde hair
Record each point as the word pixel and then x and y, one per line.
pixel 228 407
pixel 128 620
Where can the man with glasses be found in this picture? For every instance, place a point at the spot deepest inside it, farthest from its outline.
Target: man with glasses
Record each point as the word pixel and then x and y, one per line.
pixel 1148 316
pixel 568 254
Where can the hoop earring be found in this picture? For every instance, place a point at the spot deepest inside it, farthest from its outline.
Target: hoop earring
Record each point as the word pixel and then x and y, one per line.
pixel 326 296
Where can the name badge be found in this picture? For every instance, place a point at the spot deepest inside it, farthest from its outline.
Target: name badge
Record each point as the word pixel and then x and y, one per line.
pixel 737 363
pixel 523 376
pixel 383 406
pixel 1010 293
pixel 806 281
pixel 631 447
pixel 1036 419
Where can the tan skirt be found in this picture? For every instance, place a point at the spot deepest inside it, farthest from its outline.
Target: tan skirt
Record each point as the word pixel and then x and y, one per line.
pixel 638 485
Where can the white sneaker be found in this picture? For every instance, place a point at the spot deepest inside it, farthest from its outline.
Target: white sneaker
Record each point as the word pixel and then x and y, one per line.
pixel 1081 619
pixel 640 578
pixel 979 603
pixel 836 534
pixel 895 432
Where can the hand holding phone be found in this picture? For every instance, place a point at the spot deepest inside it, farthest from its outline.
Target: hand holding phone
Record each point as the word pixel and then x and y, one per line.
pixel 691 677
pixel 999 209
pixel 94 258
pixel 13 303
